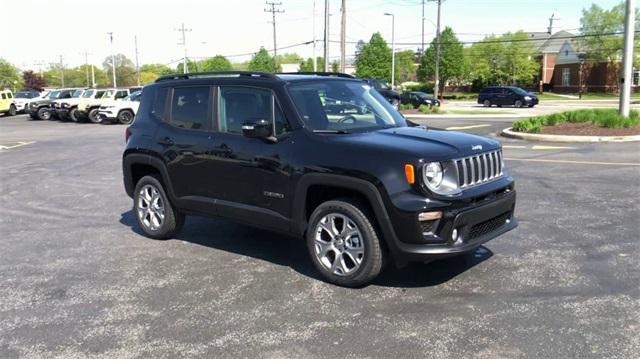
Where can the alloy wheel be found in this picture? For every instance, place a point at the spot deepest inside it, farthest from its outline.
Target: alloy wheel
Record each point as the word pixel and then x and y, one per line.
pixel 150 207
pixel 338 244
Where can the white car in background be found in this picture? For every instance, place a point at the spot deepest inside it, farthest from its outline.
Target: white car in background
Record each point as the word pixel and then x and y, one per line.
pixel 24 98
pixel 122 111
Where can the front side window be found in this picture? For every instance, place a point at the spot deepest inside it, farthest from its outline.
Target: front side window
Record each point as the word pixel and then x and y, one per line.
pixel 343 106
pixel 190 108
pixel 121 94
pixel 238 105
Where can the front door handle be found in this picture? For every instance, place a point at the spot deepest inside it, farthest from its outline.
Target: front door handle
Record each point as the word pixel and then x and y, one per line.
pixel 167 141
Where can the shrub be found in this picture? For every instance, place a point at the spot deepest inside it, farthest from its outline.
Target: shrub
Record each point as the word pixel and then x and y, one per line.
pixel 603 117
pixel 424 109
pixel 405 106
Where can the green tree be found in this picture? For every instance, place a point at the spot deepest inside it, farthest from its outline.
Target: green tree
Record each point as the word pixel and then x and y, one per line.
pixel 405 67
pixel 216 63
pixel 158 69
pixel 125 70
pixel 288 58
pixel 307 65
pixel 9 76
pixel 192 67
pixel 262 61
pixel 374 59
pixel 451 59
pixel 335 66
pixel 597 23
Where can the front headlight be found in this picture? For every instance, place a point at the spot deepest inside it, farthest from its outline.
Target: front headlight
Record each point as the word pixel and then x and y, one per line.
pixel 433 175
pixel 527 98
pixel 427 102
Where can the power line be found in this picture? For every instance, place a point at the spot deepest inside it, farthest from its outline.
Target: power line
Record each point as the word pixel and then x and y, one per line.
pixel 273 12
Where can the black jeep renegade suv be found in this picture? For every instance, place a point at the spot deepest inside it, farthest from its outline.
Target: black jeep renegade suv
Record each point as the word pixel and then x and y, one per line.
pixel 321 156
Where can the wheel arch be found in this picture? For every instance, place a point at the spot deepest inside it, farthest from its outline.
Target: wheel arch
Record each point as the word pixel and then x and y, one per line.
pixel 138 165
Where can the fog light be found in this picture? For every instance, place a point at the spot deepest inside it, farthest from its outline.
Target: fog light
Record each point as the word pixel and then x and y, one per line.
pixel 429 216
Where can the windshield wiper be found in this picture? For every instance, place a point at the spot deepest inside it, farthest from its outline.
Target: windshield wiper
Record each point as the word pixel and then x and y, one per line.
pixel 340 132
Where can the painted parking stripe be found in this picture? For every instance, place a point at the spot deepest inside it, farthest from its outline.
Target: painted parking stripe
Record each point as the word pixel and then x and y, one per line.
pixel 18 144
pixel 543 147
pixel 513 146
pixel 573 162
pixel 456 128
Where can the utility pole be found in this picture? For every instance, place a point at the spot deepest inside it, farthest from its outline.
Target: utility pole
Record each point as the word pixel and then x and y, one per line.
pixel 422 42
pixel 315 61
pixel 343 36
pixel 61 72
pixel 393 48
pixel 326 36
pixel 135 40
pixel 436 88
pixel 551 20
pixel 113 60
pixel 185 68
pixel 627 58
pixel 93 76
pixel 273 12
pixel 86 66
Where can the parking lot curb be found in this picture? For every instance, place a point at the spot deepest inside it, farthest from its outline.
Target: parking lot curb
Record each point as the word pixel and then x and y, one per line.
pixel 507 132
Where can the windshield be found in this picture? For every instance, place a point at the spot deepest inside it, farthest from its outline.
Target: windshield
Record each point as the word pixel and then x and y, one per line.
pixel 88 93
pixel 77 93
pixel 54 95
pixel 337 106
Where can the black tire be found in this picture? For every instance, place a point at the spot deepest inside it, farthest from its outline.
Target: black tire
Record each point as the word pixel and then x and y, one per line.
pixel 93 115
pixel 486 103
pixel 517 104
pixel 33 116
pixel 372 258
pixel 173 219
pixel 44 114
pixel 73 114
pixel 12 111
pixel 125 117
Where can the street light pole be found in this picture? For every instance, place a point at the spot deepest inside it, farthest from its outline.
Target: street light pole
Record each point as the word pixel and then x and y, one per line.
pixel 437 74
pixel 113 60
pixel 393 48
pixel 627 59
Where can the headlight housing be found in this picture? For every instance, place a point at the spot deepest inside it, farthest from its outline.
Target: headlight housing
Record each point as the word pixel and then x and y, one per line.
pixel 527 98
pixel 433 174
pixel 441 177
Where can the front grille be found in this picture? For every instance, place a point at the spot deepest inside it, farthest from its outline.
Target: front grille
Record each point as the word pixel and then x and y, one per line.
pixel 478 169
pixel 488 226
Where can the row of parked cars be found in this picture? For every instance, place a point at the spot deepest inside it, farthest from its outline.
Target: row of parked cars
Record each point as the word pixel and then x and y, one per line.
pixel 74 104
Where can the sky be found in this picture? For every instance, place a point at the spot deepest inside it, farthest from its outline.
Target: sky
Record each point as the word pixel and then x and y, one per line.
pixel 39 31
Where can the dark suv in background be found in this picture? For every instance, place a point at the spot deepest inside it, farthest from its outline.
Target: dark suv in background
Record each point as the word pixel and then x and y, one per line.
pixel 506 96
pixel 361 185
pixel 385 90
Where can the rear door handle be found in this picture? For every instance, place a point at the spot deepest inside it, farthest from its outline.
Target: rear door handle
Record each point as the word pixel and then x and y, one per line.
pixel 167 141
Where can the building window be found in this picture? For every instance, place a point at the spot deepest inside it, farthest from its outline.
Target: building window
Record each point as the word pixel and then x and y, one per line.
pixel 566 76
pixel 636 77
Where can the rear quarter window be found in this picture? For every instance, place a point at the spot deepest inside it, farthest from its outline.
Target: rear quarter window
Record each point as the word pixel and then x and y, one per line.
pixel 159 103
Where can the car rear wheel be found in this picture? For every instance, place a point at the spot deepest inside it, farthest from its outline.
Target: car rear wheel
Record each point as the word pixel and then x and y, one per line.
pixel 44 114
pixel 93 115
pixel 12 110
pixel 486 103
pixel 518 104
pixel 343 243
pixel 125 117
pixel 154 212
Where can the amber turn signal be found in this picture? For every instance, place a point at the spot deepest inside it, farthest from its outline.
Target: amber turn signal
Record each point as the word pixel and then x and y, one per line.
pixel 410 174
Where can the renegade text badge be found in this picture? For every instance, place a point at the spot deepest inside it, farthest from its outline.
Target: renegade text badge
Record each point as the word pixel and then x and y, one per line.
pixel 476 147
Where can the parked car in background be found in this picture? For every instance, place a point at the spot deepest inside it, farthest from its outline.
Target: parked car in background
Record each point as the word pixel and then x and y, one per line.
pixel 63 107
pixel 417 98
pixel 121 111
pixel 88 98
pixel 506 96
pixel 360 188
pixel 24 97
pixel 41 109
pixel 385 90
pixel 7 104
pixel 90 108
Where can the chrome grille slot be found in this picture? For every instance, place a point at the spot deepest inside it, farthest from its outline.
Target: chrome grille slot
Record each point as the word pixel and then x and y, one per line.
pixel 478 169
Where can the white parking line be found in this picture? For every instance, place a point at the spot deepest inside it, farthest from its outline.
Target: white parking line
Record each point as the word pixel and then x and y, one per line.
pixel 456 128
pixel 573 162
pixel 543 147
pixel 18 144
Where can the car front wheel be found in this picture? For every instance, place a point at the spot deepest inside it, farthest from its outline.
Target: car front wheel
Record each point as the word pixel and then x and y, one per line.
pixel 154 213
pixel 343 243
pixel 44 114
pixel 73 115
pixel 12 110
pixel 125 117
pixel 518 104
pixel 93 116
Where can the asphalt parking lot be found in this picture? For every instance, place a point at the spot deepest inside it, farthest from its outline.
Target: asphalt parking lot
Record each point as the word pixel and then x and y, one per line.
pixel 78 279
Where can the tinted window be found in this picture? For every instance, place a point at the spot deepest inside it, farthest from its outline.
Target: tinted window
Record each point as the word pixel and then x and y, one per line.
pixel 9 95
pixel 239 104
pixel 190 107
pixel 4 97
pixel 159 103
pixel 121 94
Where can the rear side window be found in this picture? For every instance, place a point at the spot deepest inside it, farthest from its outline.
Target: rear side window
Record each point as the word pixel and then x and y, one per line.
pixel 190 108
pixel 159 103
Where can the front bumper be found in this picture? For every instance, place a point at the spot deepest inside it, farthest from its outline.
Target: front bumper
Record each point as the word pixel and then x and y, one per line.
pixel 62 113
pixel 475 224
pixel 107 115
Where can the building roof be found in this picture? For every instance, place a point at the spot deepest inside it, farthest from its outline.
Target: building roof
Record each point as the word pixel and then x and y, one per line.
pixel 554 43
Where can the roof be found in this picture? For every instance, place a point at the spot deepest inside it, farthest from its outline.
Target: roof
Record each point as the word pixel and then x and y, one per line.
pixel 554 43
pixel 254 75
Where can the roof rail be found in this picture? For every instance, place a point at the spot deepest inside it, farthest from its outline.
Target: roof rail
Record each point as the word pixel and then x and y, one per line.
pixel 319 73
pixel 258 74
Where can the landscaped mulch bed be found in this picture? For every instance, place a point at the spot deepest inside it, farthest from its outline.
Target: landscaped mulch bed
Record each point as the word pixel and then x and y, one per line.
pixel 588 129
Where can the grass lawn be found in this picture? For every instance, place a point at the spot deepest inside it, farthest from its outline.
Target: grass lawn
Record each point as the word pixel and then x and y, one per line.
pixel 586 96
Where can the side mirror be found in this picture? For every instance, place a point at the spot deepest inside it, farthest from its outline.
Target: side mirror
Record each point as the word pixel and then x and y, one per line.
pixel 257 128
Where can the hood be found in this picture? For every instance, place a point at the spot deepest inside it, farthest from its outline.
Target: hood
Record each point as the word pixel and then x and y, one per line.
pixel 418 142
pixel 389 93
